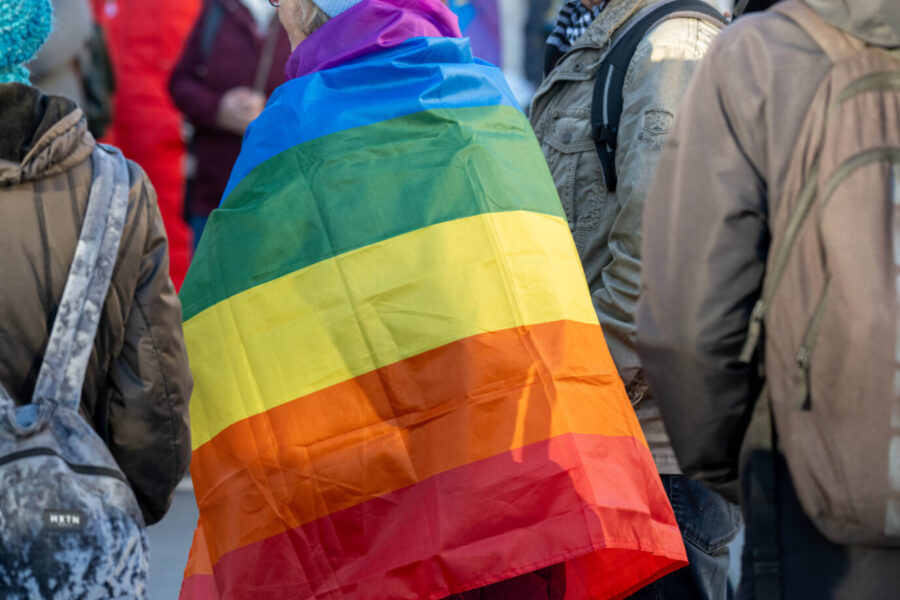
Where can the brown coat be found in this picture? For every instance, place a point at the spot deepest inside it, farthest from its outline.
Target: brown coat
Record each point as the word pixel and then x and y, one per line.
pixel 706 231
pixel 707 237
pixel 138 382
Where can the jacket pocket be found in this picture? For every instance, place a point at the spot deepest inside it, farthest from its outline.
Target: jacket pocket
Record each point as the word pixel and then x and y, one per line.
pixel 575 167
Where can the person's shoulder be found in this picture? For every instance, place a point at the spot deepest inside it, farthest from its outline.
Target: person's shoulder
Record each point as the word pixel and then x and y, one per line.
pixel 765 39
pixel 677 35
pixel 691 35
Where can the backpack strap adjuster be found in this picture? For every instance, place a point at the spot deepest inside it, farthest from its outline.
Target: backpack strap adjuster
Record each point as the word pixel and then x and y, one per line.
pixel 605 134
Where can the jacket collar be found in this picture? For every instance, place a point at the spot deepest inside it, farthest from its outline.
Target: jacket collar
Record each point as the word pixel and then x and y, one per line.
pixel 367 27
pixel 610 19
pixel 41 135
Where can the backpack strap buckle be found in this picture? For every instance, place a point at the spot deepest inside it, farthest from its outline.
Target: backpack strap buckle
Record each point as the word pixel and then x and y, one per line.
pixel 606 134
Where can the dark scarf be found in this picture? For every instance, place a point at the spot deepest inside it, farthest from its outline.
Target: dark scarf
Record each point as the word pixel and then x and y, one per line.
pixel 571 23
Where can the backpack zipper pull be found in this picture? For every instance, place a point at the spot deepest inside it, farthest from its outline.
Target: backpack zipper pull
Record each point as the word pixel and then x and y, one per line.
pixel 754 332
pixel 801 399
pixel 803 358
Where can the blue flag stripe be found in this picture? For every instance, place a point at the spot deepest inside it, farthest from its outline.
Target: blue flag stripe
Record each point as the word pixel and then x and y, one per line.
pixel 378 87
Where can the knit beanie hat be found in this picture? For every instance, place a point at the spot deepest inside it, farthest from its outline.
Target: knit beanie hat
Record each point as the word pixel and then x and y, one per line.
pixel 332 8
pixel 24 26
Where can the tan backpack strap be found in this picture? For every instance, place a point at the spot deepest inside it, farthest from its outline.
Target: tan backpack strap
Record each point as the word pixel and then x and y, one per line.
pixel 836 44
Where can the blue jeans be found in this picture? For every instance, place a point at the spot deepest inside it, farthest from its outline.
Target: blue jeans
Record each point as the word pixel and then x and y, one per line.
pixel 810 565
pixel 708 522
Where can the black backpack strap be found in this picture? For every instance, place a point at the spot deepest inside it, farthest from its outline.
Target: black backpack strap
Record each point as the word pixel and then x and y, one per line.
pixel 742 7
pixel 758 478
pixel 739 7
pixel 606 106
pixel 211 28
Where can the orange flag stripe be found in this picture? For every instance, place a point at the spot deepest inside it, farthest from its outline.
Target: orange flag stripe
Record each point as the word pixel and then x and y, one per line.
pixel 442 409
pixel 198 559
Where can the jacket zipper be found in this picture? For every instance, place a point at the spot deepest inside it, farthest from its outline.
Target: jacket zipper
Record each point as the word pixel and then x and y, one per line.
pixel 80 469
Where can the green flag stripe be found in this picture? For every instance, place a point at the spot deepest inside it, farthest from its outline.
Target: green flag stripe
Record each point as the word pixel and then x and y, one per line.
pixel 360 186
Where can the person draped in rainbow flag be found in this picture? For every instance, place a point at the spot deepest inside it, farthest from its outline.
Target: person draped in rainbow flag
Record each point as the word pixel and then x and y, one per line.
pixel 401 387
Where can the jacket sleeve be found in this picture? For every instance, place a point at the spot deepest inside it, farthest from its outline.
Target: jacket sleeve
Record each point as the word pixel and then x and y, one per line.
pixel 149 433
pixel 187 86
pixel 657 78
pixel 705 245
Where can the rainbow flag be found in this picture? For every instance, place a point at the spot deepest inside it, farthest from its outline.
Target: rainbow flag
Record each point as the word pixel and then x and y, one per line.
pixel 479 20
pixel 401 387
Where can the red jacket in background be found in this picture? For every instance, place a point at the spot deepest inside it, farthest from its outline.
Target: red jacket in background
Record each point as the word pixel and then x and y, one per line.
pixel 145 40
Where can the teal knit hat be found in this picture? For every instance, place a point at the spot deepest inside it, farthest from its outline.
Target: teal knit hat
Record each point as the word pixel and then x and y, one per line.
pixel 24 25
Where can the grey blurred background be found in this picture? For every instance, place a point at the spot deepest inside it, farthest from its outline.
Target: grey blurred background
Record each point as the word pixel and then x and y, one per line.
pixel 170 540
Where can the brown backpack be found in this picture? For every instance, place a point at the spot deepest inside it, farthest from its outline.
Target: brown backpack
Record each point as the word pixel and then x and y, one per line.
pixel 830 296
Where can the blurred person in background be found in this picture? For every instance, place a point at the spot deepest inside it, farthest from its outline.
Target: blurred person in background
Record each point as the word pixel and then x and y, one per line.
pixel 145 40
pixel 541 18
pixel 57 68
pixel 232 61
pixel 74 63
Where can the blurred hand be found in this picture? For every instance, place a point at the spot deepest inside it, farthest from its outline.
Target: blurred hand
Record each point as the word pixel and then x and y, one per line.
pixel 238 107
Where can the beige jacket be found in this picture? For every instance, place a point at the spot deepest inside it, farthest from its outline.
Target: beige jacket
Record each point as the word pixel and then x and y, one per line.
pixel 607 225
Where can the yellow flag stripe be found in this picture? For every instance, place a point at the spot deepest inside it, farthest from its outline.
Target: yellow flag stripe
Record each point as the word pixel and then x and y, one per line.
pixel 378 305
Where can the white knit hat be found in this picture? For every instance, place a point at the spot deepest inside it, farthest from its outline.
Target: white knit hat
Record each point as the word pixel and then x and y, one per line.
pixel 333 8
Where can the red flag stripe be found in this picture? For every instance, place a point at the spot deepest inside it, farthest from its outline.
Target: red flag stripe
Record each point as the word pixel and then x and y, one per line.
pixel 549 502
pixel 257 479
